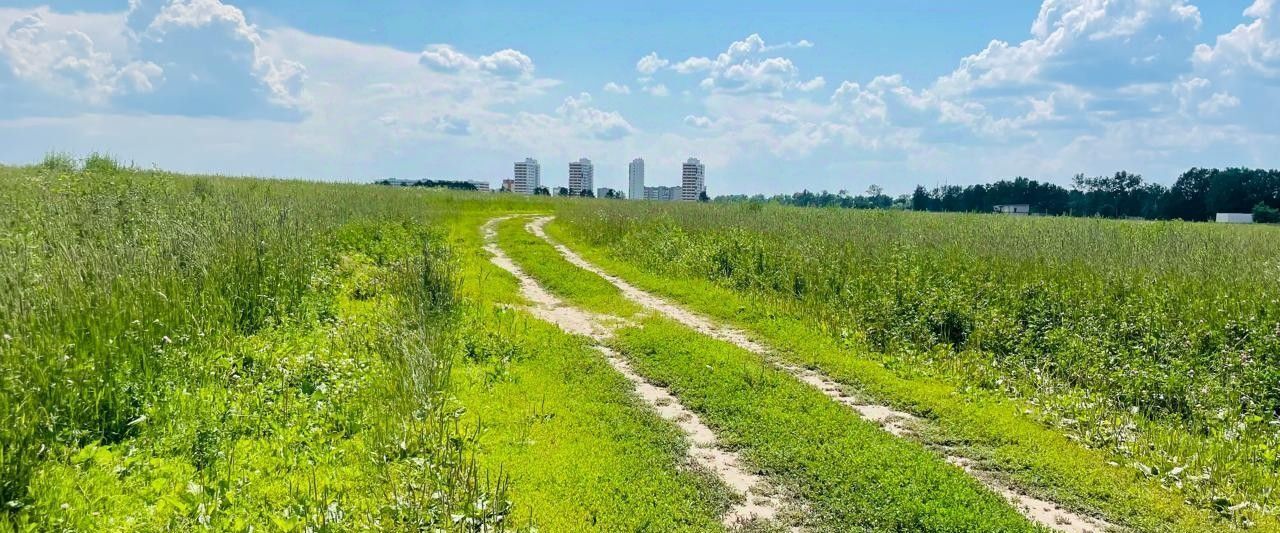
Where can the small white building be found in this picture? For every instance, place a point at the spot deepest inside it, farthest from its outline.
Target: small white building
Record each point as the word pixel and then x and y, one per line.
pixel 1013 209
pixel 606 192
pixel 1235 218
pixel 481 185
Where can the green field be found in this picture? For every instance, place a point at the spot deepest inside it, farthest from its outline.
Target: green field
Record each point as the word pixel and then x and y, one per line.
pixel 186 352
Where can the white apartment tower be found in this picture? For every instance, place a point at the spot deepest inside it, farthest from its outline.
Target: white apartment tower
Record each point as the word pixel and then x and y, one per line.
pixel 527 177
pixel 635 179
pixel 581 176
pixel 693 180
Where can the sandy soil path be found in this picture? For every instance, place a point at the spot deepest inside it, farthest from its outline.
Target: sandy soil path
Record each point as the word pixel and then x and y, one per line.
pixel 759 502
pixel 898 423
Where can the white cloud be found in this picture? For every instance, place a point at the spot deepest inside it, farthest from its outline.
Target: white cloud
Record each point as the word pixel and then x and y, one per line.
pixel 617 88
pixel 603 125
pixel 213 61
pixel 1243 66
pixel 69 65
pixel 1252 48
pixel 650 64
pixel 802 43
pixel 506 63
pixel 450 125
pixel 1217 103
pixel 657 90
pixel 697 121
pixel 812 85
pixel 1085 42
pixel 693 64
pixel 177 56
pixel 738 69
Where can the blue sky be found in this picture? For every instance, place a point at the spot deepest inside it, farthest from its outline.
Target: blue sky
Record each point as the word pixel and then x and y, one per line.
pixel 773 97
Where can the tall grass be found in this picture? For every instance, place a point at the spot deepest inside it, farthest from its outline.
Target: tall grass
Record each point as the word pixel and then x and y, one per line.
pixel 1157 341
pixel 128 296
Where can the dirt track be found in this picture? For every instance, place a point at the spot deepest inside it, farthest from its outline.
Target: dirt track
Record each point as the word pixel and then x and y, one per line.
pixel 898 423
pixel 759 503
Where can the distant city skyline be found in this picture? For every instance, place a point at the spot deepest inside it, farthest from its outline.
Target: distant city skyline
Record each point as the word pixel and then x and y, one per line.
pixel 775 98
pixel 691 180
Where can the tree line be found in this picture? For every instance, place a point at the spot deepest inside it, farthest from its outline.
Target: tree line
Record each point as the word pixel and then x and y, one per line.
pixel 1197 194
pixel 446 184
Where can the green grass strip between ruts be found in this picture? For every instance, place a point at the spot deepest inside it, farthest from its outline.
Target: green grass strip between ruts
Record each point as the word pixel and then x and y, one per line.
pixel 544 263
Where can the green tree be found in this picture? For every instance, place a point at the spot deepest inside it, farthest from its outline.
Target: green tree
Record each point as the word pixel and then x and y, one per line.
pixel 1265 214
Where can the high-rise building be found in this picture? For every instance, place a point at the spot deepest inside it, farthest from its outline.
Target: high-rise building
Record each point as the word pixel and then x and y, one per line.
pixel 661 193
pixel 693 180
pixel 581 176
pixel 528 176
pixel 635 179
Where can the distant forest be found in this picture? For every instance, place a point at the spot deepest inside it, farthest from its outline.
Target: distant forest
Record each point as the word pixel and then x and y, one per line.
pixel 1198 194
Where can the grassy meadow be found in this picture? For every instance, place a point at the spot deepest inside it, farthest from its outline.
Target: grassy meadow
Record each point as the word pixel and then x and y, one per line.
pixel 183 352
pixel 1153 343
pixel 187 351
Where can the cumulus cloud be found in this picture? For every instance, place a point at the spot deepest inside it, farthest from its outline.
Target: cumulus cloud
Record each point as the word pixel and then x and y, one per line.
pixel 802 43
pixel 506 63
pixel 1248 49
pixel 69 65
pixel 592 122
pixel 213 62
pixel 1243 67
pixel 697 121
pixel 740 69
pixel 812 85
pixel 657 90
pixel 451 125
pixel 617 88
pixel 693 64
pixel 650 64
pixel 1098 43
pixel 1085 65
pixel 190 57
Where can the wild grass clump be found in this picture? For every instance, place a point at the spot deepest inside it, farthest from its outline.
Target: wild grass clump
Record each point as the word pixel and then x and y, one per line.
pixel 1158 342
pixel 102 163
pixel 59 162
pixel 181 351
